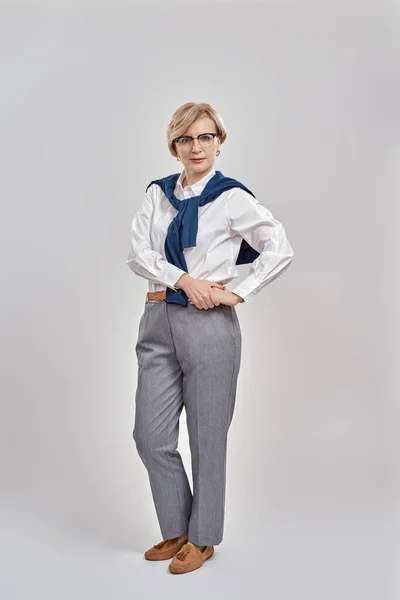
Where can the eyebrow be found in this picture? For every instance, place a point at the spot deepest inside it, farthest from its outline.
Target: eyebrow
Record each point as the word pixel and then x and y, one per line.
pixel 188 135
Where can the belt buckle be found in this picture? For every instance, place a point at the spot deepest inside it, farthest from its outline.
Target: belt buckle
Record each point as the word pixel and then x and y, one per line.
pixel 158 295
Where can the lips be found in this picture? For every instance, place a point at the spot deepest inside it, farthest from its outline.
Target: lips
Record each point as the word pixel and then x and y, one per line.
pixel 197 159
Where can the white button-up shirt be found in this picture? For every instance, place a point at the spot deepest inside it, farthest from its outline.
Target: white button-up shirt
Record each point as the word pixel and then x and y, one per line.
pixel 222 224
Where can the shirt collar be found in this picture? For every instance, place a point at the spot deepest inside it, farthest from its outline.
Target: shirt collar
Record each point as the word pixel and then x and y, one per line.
pixel 199 186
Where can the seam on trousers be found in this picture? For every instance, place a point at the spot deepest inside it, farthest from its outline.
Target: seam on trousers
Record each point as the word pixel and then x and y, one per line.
pixel 169 327
pixel 199 461
pixel 227 418
pixel 169 465
pixel 177 493
pixel 197 529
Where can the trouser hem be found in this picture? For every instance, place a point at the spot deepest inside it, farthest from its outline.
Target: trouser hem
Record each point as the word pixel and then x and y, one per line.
pixel 172 534
pixel 205 540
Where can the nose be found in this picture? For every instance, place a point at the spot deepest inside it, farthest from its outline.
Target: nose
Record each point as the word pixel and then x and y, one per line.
pixel 196 146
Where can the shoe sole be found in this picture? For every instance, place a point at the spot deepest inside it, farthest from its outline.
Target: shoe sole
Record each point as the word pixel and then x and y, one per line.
pixel 183 569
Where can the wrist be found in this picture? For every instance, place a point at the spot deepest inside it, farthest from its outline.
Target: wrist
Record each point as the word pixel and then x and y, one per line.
pixel 181 280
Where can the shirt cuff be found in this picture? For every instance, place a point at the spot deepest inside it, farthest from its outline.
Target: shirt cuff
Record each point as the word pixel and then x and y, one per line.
pixel 170 275
pixel 247 288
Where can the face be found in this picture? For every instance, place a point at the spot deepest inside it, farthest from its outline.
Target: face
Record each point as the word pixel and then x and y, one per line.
pixel 196 169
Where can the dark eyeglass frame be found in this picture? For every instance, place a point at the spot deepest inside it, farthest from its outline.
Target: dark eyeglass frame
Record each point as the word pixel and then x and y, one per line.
pixel 193 138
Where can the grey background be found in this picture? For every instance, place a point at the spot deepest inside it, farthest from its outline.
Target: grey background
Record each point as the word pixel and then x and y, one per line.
pixel 309 92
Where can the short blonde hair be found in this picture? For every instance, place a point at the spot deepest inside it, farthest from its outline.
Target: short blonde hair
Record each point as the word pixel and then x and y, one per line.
pixel 187 114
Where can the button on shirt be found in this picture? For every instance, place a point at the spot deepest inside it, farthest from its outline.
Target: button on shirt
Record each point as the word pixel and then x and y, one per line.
pixel 222 224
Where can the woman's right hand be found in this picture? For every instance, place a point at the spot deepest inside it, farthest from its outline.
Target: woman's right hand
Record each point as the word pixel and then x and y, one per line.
pixel 198 290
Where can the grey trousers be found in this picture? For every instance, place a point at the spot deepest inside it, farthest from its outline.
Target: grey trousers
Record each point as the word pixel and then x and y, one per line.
pixel 186 357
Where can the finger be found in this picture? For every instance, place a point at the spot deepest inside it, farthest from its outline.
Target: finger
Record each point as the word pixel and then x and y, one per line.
pixel 198 301
pixel 212 300
pixel 219 285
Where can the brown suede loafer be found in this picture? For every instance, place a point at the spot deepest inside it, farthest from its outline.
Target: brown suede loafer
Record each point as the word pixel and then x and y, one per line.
pixel 190 558
pixel 166 549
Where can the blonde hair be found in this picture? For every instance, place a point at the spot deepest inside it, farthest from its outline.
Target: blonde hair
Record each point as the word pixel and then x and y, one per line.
pixel 187 114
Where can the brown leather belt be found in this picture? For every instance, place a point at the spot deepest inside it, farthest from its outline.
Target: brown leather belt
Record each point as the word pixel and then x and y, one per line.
pixel 161 295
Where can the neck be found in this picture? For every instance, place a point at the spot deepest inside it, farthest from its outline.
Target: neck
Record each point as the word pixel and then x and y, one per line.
pixel 193 178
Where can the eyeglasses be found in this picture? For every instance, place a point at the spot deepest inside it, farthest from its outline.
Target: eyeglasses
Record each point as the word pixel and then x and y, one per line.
pixel 186 141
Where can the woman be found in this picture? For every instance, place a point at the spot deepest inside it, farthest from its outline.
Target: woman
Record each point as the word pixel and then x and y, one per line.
pixel 191 231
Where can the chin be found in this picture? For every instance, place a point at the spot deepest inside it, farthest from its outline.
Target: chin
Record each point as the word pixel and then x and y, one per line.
pixel 200 166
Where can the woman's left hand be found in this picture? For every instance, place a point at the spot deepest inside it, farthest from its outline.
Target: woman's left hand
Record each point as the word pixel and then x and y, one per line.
pixel 219 296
